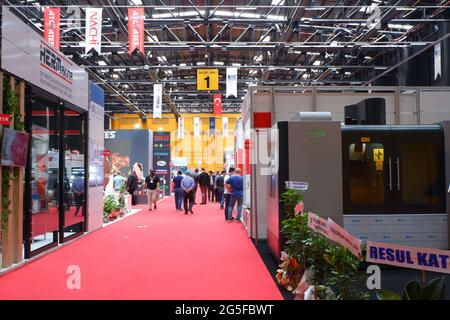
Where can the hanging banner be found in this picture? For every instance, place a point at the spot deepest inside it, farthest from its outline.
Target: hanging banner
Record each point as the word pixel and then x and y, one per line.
pixel 93 29
pixel 52 26
pixel 196 126
pixel 437 60
pixel 232 82
pixel 225 127
pixel 180 128
pixel 136 29
pixel 345 239
pixel 212 125
pixel 157 100
pixel 409 257
pixel 217 104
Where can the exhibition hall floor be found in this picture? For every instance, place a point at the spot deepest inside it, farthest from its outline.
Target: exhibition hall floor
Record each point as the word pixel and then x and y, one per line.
pixel 163 254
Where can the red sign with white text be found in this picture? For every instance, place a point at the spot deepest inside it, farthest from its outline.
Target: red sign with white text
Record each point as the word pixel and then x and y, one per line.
pixel 135 29
pixel 52 26
pixel 217 104
pixel 5 119
pixel 106 153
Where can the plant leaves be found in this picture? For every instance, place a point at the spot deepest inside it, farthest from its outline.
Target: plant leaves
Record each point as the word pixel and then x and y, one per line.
pixel 387 295
pixel 412 290
pixel 434 289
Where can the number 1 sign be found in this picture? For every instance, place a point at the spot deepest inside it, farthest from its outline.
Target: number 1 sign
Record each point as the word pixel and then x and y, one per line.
pixel 207 79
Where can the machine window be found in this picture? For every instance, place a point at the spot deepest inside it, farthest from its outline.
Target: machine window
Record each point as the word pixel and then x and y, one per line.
pixel 367 177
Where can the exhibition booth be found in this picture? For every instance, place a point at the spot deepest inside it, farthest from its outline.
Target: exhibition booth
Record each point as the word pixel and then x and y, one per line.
pixel 62 117
pixel 382 181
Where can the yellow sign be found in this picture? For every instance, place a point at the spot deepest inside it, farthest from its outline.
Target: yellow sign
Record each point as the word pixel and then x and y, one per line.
pixel 365 139
pixel 378 155
pixel 379 165
pixel 207 79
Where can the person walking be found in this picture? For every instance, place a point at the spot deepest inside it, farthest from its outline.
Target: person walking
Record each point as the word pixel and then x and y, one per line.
pixel 188 187
pixel 132 184
pixel 178 190
pixel 227 193
pixel 212 178
pixel 196 177
pixel 152 186
pixel 78 192
pixel 216 191
pixel 204 185
pixel 220 185
pixel 235 184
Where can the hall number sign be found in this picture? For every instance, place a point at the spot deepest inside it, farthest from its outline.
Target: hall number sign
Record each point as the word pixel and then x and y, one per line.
pixel 207 79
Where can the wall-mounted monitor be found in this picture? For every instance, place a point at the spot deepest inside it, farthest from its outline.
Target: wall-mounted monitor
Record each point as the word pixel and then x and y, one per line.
pixel 14 148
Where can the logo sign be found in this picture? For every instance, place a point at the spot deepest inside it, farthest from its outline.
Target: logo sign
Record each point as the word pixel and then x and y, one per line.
pixel 56 63
pixel 52 26
pixel 107 153
pixel 93 29
pixel 5 119
pixel 136 29
pixel 207 79
pixel 161 163
pixel 232 82
pixel 409 257
pixel 157 100
pixel 217 104
pixel 296 185
pixel 110 134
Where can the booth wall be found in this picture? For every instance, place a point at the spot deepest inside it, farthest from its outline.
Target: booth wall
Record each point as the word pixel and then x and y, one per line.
pixel 207 148
pixel 95 149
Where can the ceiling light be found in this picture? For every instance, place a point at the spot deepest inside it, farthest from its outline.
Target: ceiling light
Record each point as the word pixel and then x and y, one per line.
pixel 200 63
pixel 245 8
pixel 218 63
pixel 137 2
pixel 115 76
pixel 101 63
pixel 120 70
pixel 277 2
pixel 137 125
pixel 236 64
pixel 164 8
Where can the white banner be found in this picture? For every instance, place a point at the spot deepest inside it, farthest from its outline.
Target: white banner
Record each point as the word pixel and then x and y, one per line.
pixel 180 128
pixel 437 60
pixel 232 82
pixel 196 126
pixel 157 100
pixel 319 225
pixel 345 239
pixel 93 29
pixel 225 127
pixel 409 257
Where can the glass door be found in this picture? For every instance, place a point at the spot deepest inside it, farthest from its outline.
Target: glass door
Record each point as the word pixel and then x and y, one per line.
pixel 73 179
pixel 42 193
pixel 367 170
pixel 419 170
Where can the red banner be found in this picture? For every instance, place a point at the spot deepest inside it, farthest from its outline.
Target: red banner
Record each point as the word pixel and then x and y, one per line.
pixel 217 104
pixel 5 119
pixel 136 29
pixel 51 26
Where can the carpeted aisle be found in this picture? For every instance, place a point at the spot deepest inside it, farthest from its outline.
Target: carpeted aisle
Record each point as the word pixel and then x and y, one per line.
pixel 163 255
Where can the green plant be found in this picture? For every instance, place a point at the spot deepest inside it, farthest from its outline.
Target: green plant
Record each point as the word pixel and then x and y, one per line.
pixel 290 198
pixel 345 274
pixel 109 205
pixel 414 290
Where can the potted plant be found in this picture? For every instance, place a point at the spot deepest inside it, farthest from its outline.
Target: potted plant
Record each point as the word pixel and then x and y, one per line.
pixel 109 206
pixel 122 206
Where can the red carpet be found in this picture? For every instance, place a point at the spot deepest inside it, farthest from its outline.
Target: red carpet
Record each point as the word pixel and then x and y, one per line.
pixel 162 255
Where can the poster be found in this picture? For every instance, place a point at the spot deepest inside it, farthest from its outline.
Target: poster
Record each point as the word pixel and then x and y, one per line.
pixel 161 158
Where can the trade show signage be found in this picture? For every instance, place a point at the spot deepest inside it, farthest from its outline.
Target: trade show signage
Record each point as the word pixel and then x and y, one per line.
pixel 408 257
pixel 93 29
pixel 135 29
pixel 157 100
pixel 207 79
pixel 437 60
pixel 297 185
pixel 232 82
pixel 224 126
pixel 52 26
pixel 161 157
pixel 180 128
pixel 196 126
pixel 27 55
pixel 5 119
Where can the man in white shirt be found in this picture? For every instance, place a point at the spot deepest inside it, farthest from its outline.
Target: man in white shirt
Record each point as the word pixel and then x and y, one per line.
pixel 227 192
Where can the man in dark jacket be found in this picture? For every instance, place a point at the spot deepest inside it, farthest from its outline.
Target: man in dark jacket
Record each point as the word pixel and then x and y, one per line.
pixel 132 184
pixel 195 176
pixel 212 180
pixel 204 180
pixel 220 187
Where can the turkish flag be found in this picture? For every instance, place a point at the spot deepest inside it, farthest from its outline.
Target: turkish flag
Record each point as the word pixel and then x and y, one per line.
pixel 218 104
pixel 52 26
pixel 135 29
